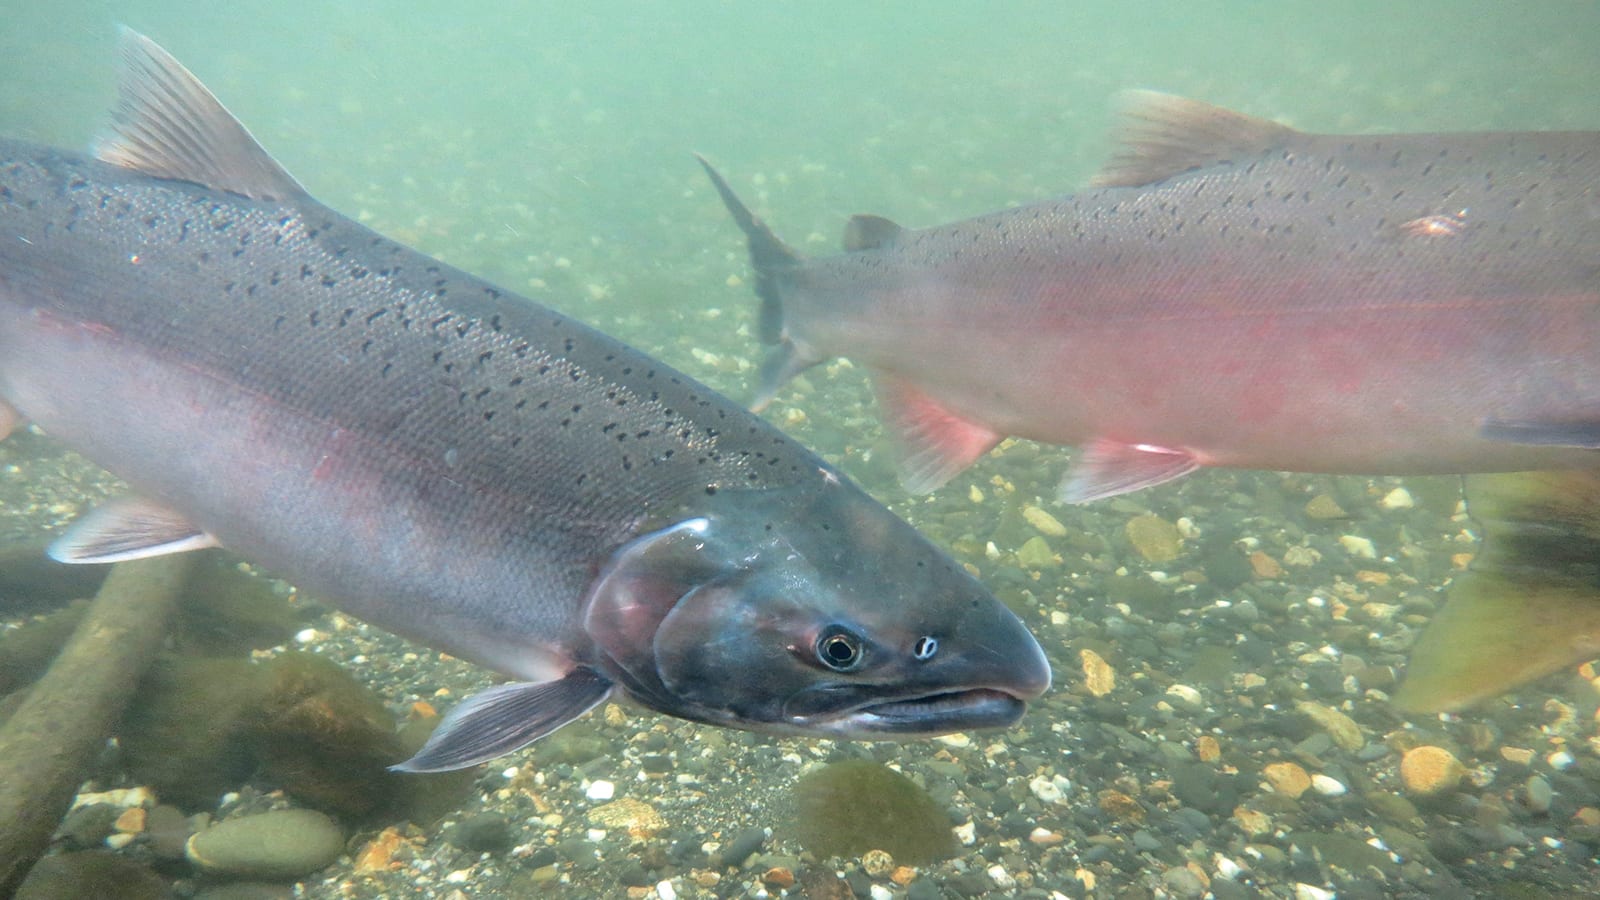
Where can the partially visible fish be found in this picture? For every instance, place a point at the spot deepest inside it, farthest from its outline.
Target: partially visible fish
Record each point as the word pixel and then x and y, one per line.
pixel 454 463
pixel 1529 605
pixel 1237 293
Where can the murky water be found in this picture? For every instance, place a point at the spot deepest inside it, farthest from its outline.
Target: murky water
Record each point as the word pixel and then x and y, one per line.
pixel 548 147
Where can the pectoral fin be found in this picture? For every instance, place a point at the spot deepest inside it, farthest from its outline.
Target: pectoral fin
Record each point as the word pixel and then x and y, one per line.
pixel 934 443
pixel 128 528
pixel 501 719
pixel 1529 607
pixel 1108 468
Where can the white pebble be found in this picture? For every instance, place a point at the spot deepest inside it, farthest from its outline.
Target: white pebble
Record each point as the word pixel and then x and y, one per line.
pixel 138 796
pixel 954 739
pixel 1227 869
pixel 1187 694
pixel 1327 785
pixel 1399 498
pixel 119 840
pixel 1358 546
pixel 595 835
pixel 665 890
pixel 1001 878
pixel 967 833
pixel 1304 891
pixel 1560 760
pixel 879 892
pixel 459 876
pixel 1045 790
pixel 601 790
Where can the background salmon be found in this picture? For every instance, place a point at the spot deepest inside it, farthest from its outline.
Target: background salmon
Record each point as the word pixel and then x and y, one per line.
pixel 1237 293
pixel 455 463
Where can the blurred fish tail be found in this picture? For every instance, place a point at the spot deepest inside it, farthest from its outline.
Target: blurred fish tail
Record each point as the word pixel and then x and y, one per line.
pixel 1529 607
pixel 772 260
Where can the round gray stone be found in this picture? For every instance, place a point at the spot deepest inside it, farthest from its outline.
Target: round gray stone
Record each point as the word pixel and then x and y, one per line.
pixel 281 844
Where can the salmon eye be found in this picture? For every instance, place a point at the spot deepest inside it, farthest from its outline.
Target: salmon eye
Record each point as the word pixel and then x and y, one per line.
pixel 839 649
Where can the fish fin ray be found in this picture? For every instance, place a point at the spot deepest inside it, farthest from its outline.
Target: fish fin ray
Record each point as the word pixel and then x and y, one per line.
pixel 503 718
pixel 769 256
pixel 1108 468
pixel 781 365
pixel 1530 604
pixel 1162 135
pixel 127 528
pixel 935 444
pixel 169 125
pixel 868 232
pixel 1581 434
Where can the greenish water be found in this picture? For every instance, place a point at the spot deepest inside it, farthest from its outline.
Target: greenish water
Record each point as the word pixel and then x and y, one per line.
pixel 548 147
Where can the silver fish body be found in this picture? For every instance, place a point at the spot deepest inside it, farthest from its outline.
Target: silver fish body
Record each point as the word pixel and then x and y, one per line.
pixel 454 463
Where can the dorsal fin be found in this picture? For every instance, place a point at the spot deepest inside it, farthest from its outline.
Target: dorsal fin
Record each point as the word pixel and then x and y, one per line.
pixel 1162 135
pixel 165 123
pixel 864 232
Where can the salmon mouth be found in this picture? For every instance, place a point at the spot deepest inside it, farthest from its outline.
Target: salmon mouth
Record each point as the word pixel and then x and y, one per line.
pixel 927 715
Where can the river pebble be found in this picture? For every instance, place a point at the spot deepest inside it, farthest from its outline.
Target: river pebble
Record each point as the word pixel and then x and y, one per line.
pixel 285 843
pixel 1427 771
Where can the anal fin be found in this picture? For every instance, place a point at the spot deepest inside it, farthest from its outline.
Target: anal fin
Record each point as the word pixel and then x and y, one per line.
pixel 935 444
pixel 128 528
pixel 1108 468
pixel 501 719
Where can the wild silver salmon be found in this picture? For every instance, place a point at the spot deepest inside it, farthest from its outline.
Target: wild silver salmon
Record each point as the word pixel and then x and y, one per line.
pixel 1235 293
pixel 455 463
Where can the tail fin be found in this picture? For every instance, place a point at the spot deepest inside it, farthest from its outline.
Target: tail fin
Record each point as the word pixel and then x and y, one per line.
pixel 772 259
pixel 1530 605
pixel 769 255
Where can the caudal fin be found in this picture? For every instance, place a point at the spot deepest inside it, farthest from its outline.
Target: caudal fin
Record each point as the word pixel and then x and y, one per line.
pixel 772 259
pixel 769 255
pixel 1530 605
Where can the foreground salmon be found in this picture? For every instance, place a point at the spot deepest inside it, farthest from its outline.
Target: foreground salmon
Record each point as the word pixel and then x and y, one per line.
pixel 454 463
pixel 1236 293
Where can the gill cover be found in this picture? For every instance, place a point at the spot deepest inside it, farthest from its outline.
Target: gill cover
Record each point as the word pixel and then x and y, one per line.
pixel 680 611
pixel 808 609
